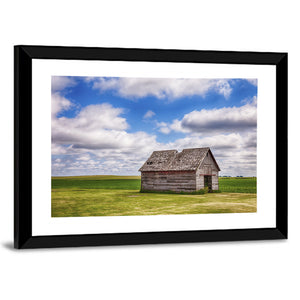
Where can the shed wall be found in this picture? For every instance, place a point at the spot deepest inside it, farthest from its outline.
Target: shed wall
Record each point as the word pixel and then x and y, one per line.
pixel 208 167
pixel 200 179
pixel 177 181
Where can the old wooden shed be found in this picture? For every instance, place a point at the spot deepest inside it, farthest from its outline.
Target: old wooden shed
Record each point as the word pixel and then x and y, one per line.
pixel 188 171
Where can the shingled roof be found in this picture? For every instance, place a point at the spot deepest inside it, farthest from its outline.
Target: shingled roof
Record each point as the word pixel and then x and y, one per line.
pixel 172 160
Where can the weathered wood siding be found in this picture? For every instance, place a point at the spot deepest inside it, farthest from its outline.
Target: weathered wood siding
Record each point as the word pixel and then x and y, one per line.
pixel 199 180
pixel 208 167
pixel 180 180
pixel 169 181
pixel 215 181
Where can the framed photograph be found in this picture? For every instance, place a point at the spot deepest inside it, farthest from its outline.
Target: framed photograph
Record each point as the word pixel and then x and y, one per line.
pixel 143 146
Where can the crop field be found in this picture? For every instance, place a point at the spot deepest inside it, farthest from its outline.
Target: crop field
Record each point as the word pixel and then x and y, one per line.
pixel 120 196
pixel 237 184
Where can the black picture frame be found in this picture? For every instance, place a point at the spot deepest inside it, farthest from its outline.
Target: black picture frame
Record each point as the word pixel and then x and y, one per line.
pixel 23 56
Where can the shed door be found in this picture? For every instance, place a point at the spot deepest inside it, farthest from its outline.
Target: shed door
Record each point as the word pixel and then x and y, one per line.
pixel 208 182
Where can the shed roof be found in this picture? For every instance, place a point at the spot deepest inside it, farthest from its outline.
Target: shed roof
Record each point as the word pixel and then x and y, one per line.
pixel 172 160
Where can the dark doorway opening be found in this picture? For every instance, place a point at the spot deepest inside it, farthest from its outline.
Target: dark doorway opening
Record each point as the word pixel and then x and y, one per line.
pixel 208 182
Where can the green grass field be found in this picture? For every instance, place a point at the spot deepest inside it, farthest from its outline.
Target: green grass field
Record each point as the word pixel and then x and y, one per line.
pixel 120 196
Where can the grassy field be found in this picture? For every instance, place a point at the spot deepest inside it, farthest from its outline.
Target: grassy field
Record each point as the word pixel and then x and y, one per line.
pixel 237 184
pixel 120 196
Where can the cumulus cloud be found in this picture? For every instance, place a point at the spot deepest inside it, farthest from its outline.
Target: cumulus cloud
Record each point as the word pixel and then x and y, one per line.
pixel 163 127
pixel 104 163
pixel 230 151
pixel 233 154
pixel 149 114
pixel 95 126
pixel 119 160
pixel 85 157
pixel 97 141
pixel 163 88
pixel 227 119
pixel 59 83
pixel 220 141
pixel 58 149
pixel 94 137
pixel 251 140
pixel 97 149
pixel 59 104
pixel 98 116
pixel 165 130
pixel 252 81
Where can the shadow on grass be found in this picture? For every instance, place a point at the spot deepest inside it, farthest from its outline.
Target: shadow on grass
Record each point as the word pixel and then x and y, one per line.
pixel 199 192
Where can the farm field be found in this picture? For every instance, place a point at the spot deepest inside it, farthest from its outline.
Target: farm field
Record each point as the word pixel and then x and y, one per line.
pixel 119 196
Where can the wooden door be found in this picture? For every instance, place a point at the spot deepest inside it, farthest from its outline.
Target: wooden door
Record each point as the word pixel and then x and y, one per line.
pixel 208 182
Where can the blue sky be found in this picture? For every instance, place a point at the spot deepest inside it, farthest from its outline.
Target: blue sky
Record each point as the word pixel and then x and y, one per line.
pixel 110 125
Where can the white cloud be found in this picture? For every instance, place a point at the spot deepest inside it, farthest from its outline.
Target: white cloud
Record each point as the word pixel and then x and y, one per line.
pixel 59 104
pixel 95 135
pixel 92 117
pixel 163 88
pixel 252 81
pixel 149 114
pixel 227 119
pixel 95 141
pixel 165 130
pixel 219 141
pixel 95 126
pixel 177 126
pixel 85 157
pixel 58 149
pixel 59 83
pixel 232 151
pixel 163 127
